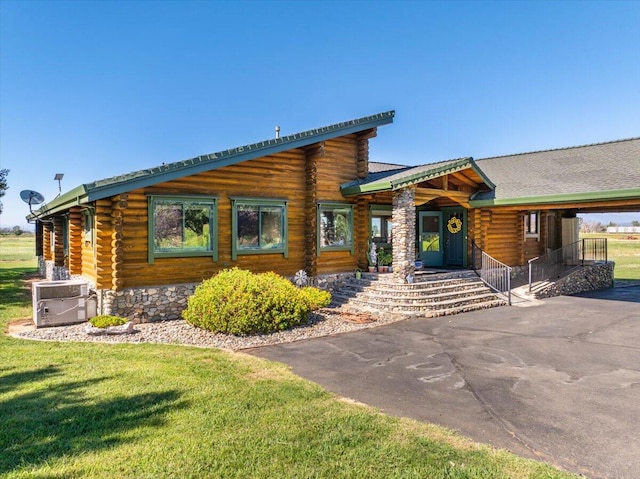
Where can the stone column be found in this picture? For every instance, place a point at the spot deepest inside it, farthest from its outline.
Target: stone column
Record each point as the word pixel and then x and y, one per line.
pixel 404 233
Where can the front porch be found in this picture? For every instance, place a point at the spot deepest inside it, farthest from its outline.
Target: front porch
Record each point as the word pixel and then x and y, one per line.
pixel 428 208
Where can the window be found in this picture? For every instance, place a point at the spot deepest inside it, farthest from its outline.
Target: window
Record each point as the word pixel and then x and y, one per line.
pixel 88 229
pixel 335 227
pixel 259 226
pixel 381 227
pixel 532 224
pixel 182 226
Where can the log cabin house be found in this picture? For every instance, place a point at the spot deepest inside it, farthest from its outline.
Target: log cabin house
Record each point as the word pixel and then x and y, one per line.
pixel 313 201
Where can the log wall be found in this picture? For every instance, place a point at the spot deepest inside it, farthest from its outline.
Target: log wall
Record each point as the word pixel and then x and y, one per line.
pixel 500 233
pixel 75 241
pixel 103 234
pixel 121 239
pixel 47 251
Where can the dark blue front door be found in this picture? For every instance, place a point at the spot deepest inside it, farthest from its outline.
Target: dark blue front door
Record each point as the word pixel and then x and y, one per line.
pixel 454 236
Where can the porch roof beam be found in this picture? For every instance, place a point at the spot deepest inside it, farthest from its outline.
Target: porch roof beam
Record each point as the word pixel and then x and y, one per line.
pixel 424 195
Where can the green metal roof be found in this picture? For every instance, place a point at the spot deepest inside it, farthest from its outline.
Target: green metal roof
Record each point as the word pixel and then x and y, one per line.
pixel 142 178
pixel 395 179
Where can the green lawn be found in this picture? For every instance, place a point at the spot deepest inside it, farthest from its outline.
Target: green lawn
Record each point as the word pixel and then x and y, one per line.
pixel 624 251
pixel 152 411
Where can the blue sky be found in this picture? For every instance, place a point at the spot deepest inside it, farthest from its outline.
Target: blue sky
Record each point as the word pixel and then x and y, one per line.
pixel 93 89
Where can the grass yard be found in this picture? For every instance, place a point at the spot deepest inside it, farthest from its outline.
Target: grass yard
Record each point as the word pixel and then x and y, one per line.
pixel 133 411
pixel 624 251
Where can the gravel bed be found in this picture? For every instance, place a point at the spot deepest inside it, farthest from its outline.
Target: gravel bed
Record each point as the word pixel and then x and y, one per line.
pixel 321 323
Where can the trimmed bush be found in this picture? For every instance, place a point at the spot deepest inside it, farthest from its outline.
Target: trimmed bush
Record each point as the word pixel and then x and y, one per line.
pixel 239 302
pixel 315 298
pixel 104 321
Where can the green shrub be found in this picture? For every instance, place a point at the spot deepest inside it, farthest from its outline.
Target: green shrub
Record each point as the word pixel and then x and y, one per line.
pixel 239 302
pixel 315 298
pixel 104 321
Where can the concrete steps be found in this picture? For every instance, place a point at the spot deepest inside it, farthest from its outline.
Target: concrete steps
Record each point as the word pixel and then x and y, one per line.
pixel 429 297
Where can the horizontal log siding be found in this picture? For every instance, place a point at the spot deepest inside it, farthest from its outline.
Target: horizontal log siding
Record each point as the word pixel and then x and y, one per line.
pixel 280 176
pixel 46 242
pixel 103 238
pixel 339 166
pixel 58 239
pixel 502 235
pixel 75 241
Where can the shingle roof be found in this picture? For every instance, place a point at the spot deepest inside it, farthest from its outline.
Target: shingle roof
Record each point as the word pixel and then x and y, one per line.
pixel 171 171
pixel 572 172
pixel 378 167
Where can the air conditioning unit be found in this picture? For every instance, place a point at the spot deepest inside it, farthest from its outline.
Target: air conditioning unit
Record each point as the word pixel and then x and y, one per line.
pixel 61 302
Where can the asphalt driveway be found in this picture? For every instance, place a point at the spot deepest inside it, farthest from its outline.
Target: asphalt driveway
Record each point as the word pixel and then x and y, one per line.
pixel 559 382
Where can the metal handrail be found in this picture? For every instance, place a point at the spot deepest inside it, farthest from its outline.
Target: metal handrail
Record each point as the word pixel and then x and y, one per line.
pixel 492 272
pixel 558 262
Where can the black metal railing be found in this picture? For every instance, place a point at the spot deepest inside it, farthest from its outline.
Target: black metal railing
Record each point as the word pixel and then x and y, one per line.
pixel 492 272
pixel 555 264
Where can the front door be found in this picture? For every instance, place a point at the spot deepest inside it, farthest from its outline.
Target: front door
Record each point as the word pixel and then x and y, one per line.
pixel 430 238
pixel 454 236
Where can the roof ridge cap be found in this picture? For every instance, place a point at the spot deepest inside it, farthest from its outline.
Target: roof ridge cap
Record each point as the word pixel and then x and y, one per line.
pixel 230 152
pixel 562 148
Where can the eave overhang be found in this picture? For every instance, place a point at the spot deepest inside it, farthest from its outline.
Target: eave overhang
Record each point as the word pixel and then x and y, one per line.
pixel 116 185
pixel 74 197
pixel 394 180
pixel 607 195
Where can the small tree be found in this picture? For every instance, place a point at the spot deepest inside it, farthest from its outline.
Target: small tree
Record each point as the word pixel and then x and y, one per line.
pixel 3 181
pixel 635 223
pixel 17 230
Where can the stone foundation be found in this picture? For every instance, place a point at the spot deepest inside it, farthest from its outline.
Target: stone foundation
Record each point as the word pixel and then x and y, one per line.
pixel 48 269
pixel 157 303
pixel 160 303
pixel 586 278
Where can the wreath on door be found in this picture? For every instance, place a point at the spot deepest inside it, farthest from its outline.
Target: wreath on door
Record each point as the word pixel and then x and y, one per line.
pixel 454 225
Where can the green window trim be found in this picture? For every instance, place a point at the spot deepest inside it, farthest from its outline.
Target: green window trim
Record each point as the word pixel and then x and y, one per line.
pixel 326 206
pixel 375 211
pixel 262 205
pixel 205 201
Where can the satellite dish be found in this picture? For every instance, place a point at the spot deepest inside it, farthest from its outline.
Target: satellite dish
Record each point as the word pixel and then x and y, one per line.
pixel 31 197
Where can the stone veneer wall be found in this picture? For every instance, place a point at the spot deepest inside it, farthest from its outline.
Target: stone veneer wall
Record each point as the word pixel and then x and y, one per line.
pixel 49 270
pixel 157 303
pixel 160 303
pixel 404 233
pixel 587 278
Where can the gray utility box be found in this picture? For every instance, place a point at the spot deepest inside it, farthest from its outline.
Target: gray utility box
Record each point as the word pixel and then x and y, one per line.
pixel 62 302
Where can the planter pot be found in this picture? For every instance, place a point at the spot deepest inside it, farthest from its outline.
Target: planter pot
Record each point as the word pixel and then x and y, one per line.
pixel 384 269
pixel 372 269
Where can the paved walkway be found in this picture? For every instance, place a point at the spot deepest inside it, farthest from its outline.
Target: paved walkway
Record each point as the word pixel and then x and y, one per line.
pixel 559 382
